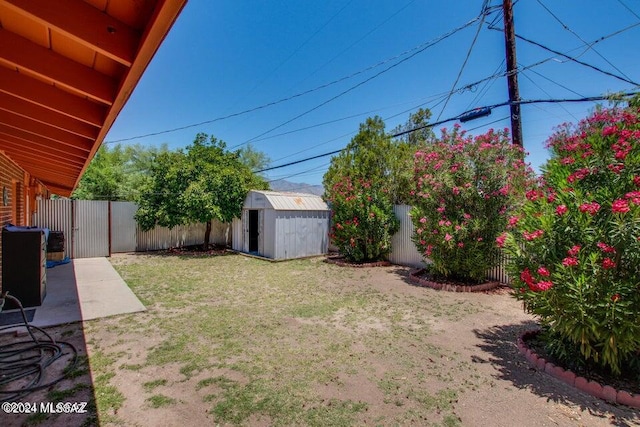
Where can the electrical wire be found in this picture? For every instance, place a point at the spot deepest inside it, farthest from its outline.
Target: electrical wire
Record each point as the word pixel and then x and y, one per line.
pixel 466 59
pixel 357 41
pixel 24 364
pixel 629 9
pixel 333 98
pixel 577 61
pixel 417 49
pixel 581 39
pixel 548 94
pixel 428 125
pixel 296 50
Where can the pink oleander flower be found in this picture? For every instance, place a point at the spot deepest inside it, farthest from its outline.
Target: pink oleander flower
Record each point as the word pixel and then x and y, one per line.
pixel 620 206
pixel 608 264
pixel 544 286
pixel 561 210
pixel 501 239
pixel 526 277
pixel 590 207
pixel 448 237
pixel 543 271
pixel 574 250
pixel 606 248
pixel 531 236
pixel 569 261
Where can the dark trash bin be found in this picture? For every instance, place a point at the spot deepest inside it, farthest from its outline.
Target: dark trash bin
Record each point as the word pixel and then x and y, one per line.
pixel 24 264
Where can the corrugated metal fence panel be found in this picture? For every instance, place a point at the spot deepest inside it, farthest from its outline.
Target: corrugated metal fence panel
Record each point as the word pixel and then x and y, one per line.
pixel 91 229
pixel 123 227
pixel 164 238
pixel 403 250
pixel 56 215
pixel 499 272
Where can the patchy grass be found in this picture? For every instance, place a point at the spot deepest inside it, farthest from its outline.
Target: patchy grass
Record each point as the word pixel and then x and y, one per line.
pixel 295 343
pixel 150 385
pixel 160 400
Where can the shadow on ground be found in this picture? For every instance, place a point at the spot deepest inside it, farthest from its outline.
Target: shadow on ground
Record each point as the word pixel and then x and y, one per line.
pixel 500 343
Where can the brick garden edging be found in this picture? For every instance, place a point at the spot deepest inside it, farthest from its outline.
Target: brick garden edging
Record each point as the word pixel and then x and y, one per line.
pixel 339 260
pixel 593 388
pixel 414 276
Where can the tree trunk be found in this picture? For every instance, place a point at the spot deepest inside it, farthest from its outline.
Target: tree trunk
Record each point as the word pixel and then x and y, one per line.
pixel 207 235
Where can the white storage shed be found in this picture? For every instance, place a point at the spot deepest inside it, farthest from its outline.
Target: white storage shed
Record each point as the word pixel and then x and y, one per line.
pixel 279 225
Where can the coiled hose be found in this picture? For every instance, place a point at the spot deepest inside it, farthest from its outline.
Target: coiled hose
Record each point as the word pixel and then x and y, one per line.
pixel 24 364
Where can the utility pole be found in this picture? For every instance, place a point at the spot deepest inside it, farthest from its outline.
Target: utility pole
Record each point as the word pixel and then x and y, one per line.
pixel 512 72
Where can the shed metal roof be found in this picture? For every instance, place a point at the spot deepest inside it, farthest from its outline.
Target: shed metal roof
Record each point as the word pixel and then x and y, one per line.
pixel 282 201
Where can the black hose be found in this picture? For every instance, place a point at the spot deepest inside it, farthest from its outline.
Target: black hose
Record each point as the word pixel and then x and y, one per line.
pixel 27 361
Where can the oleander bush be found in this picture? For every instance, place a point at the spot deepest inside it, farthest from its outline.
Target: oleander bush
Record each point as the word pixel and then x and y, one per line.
pixel 575 246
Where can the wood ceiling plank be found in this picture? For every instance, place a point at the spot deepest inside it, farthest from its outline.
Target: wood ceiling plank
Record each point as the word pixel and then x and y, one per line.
pixel 52 151
pixel 23 53
pixel 85 24
pixel 48 96
pixel 30 138
pixel 63 189
pixel 44 115
pixel 37 128
pixel 43 163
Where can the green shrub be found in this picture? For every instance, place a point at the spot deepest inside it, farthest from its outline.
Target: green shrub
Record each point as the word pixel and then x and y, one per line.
pixel 363 221
pixel 575 249
pixel 466 188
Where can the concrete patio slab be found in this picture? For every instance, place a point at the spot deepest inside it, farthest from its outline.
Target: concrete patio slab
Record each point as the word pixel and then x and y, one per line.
pixel 84 289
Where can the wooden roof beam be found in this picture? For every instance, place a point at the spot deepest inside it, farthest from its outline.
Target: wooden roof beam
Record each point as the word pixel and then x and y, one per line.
pixel 10 142
pixel 56 188
pixel 37 128
pixel 49 117
pixel 48 96
pixel 45 171
pixel 22 53
pixel 29 138
pixel 55 167
pixel 83 23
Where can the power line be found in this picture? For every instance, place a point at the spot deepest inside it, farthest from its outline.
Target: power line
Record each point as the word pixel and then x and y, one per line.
pixel 419 48
pixel 548 94
pixel 353 132
pixel 296 50
pixel 428 45
pixel 502 104
pixel 358 41
pixel 466 59
pixel 580 38
pixel 577 60
pixel 629 9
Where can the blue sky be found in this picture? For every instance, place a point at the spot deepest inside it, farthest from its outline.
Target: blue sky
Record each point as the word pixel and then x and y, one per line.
pixel 226 57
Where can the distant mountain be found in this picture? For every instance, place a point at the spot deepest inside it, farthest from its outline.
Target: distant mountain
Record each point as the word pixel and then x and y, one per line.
pixel 296 187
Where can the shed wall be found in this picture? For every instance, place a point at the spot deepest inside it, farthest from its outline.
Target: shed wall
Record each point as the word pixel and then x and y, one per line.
pixel 237 240
pixel 299 234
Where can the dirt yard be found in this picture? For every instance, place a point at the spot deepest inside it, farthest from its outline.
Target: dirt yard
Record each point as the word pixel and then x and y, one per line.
pixel 232 340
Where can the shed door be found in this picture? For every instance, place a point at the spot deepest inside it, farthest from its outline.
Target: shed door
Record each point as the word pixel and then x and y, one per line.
pixel 253 231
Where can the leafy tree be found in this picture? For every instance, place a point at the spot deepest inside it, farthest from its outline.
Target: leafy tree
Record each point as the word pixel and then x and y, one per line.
pixel 253 159
pixel 117 172
pixel 422 133
pixel 198 184
pixel 358 187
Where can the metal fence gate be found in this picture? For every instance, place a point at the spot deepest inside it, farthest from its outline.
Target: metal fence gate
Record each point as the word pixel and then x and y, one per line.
pixel 99 228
